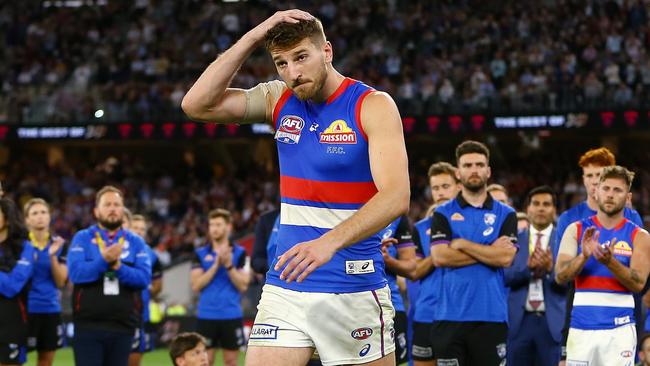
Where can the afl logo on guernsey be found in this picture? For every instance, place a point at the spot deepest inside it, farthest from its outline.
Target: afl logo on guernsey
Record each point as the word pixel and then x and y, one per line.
pixel 338 133
pixel 290 129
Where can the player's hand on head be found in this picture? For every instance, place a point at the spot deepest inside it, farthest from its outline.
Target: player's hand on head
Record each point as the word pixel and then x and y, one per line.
pixel 303 259
pixel 286 16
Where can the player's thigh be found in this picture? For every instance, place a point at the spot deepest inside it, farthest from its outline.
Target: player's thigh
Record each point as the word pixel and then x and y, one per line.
pixel 277 356
pixel 360 322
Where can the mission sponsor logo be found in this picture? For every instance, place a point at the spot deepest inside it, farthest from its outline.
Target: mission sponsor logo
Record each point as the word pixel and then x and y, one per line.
pixel 290 129
pixel 338 132
pixel 622 248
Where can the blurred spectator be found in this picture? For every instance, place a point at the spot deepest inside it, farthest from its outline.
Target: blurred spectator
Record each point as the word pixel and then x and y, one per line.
pixel 547 54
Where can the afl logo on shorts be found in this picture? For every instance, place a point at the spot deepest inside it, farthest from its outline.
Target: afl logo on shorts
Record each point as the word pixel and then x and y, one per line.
pixel 290 129
pixel 361 333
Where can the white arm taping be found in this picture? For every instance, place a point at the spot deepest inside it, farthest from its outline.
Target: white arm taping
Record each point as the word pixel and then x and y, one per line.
pixel 261 99
pixel 569 242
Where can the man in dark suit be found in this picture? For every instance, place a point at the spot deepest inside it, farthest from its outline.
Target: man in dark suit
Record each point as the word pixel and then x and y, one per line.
pixel 536 303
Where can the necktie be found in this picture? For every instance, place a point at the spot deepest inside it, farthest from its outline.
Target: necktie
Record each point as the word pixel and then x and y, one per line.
pixel 538 244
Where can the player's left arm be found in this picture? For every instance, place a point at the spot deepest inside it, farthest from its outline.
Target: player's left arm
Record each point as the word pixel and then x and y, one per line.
pixel 634 276
pixel 382 123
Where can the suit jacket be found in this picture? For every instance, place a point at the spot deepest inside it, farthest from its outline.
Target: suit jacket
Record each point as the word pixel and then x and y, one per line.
pixel 518 278
pixel 263 227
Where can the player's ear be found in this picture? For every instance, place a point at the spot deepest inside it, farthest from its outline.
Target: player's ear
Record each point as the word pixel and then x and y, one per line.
pixel 329 52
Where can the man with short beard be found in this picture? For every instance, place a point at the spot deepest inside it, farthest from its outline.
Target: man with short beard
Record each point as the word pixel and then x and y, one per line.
pixel 608 256
pixel 592 163
pixel 109 267
pixel 218 275
pixel 422 292
pixel 343 178
pixel 473 238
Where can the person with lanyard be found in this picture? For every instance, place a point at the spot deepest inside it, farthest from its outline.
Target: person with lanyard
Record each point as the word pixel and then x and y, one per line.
pixel 592 163
pixel 143 339
pixel 473 238
pixel 16 267
pixel 608 256
pixel 219 276
pixel 398 250
pixel 536 303
pixel 109 267
pixel 46 333
pixel 444 186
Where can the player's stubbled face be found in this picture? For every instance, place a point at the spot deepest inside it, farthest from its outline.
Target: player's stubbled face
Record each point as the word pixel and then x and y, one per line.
pixel 303 68
pixel 473 171
pixel 611 196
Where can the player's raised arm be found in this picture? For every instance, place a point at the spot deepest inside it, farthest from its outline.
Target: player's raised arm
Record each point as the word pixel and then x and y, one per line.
pixel 211 100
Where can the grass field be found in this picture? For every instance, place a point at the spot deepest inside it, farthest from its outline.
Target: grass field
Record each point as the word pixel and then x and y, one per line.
pixel 157 358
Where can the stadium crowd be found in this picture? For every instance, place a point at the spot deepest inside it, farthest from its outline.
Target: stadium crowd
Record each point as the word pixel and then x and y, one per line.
pixel 62 64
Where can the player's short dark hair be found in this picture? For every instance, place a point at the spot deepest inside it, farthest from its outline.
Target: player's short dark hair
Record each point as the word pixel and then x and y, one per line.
pixel 472 147
pixel 184 342
pixel 220 212
pixel 617 171
pixel 104 190
pixel 541 190
pixel 286 35
pixel 598 157
pixel 442 167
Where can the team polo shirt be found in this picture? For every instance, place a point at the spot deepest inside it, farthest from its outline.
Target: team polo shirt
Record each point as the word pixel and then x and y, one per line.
pixel 400 230
pixel 476 292
pixel 44 295
pixel 425 301
pixel 219 299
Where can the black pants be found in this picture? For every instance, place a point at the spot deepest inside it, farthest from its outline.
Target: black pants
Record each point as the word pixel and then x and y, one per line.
pixel 469 343
pixel 101 348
